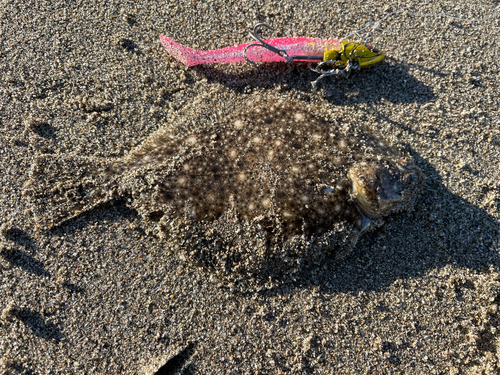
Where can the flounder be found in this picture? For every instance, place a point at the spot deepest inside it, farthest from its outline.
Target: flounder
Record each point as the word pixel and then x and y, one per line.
pixel 260 191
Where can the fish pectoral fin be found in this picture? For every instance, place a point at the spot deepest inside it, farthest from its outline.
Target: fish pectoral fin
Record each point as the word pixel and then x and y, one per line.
pixel 61 187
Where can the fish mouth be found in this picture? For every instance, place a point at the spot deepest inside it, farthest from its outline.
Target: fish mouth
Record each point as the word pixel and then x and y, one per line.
pixel 367 205
pixel 384 186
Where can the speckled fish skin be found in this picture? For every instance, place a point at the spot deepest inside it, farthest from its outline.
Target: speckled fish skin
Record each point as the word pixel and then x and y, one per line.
pixel 272 181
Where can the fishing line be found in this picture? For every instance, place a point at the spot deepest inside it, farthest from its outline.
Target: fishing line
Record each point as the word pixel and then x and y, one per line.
pixel 376 25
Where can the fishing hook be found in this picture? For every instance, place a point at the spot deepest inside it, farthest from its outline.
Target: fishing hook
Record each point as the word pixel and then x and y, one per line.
pixel 255 35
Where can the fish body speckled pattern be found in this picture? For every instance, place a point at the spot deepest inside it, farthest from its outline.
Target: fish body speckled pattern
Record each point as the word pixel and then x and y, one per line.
pixel 271 183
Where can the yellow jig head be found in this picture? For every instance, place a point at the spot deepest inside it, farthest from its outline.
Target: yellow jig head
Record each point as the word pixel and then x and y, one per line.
pixel 354 53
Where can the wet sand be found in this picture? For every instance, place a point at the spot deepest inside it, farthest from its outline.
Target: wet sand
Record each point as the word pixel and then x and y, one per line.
pixel 100 295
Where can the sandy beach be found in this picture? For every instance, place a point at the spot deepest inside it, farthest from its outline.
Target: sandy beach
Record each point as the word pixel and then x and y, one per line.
pixel 101 294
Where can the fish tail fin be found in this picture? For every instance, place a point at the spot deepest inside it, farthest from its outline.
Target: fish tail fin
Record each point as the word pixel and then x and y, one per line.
pixel 61 187
pixel 185 55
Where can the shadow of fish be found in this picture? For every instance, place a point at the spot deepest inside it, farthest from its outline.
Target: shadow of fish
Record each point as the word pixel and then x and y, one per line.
pixel 267 185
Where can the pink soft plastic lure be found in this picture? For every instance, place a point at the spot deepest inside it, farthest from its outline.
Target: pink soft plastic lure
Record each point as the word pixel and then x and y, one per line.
pixel 298 48
pixel 338 57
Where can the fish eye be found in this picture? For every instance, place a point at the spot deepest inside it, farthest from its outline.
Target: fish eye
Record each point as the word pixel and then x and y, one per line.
pixel 404 161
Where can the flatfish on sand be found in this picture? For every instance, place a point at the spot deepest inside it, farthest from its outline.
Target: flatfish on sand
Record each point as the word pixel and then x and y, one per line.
pixel 253 194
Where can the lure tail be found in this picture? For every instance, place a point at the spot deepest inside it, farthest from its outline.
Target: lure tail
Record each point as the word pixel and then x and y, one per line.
pixel 63 186
pixel 186 55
